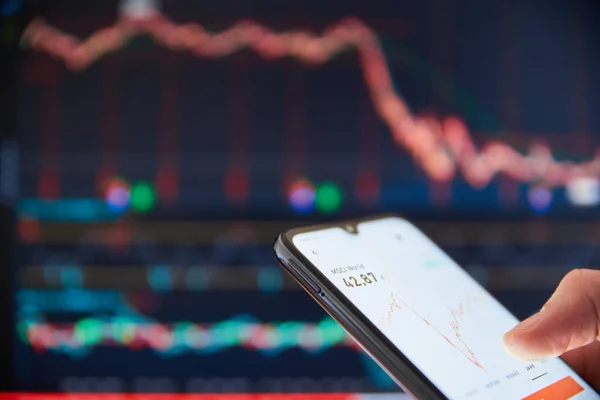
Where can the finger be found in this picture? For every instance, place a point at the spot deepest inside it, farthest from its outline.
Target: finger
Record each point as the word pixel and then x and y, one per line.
pixel 568 320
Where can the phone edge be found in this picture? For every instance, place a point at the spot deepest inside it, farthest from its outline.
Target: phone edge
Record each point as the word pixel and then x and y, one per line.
pixel 403 372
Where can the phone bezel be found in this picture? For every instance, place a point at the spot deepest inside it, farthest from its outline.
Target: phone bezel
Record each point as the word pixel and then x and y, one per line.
pixel 341 309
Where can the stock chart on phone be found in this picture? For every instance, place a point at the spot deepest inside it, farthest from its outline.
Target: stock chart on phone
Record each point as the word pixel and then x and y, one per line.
pixel 159 147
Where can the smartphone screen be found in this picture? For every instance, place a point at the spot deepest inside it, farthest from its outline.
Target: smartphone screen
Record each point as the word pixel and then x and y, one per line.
pixel 437 315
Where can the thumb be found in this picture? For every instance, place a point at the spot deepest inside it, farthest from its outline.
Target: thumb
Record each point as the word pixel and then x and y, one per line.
pixel 568 320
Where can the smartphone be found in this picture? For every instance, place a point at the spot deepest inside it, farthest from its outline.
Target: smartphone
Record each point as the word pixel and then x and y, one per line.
pixel 432 327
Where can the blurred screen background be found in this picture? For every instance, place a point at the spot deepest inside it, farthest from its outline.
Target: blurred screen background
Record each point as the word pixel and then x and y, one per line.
pixel 151 152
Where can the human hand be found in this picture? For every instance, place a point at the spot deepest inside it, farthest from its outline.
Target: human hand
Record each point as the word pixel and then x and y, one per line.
pixel 568 325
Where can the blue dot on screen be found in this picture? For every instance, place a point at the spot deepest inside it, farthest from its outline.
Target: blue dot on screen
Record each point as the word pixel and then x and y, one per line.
pixel 160 278
pixel 71 277
pixel 269 280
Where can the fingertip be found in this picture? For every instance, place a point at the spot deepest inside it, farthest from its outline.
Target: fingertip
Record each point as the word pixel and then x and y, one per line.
pixel 516 341
pixel 513 344
pixel 523 345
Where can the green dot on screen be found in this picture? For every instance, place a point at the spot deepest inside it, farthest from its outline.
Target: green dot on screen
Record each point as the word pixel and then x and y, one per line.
pixel 328 197
pixel 142 197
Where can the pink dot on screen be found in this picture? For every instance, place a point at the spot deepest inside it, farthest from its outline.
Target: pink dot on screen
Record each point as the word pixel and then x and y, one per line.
pixel 118 196
pixel 540 199
pixel 301 196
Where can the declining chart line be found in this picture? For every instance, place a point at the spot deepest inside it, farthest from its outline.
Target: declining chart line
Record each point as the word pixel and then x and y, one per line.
pixel 442 148
pixel 396 303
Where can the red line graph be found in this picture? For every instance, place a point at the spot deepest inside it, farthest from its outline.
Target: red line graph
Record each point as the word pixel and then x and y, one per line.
pixel 397 303
pixel 442 147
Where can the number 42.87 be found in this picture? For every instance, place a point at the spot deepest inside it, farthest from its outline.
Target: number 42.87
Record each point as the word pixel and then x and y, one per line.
pixel 362 280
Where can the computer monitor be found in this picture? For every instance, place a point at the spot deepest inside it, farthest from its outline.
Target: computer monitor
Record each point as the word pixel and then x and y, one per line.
pixel 157 148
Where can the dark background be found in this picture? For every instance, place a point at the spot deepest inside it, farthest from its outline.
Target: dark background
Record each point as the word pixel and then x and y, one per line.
pixel 83 278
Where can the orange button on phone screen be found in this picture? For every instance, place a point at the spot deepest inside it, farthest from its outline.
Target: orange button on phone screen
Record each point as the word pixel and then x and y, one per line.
pixel 564 389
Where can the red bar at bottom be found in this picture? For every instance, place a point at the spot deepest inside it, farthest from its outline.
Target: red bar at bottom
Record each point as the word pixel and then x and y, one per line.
pixel 108 396
pixel 564 389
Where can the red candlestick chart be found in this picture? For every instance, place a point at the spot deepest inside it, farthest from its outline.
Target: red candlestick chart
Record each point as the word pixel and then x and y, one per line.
pixel 397 304
pixel 442 148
